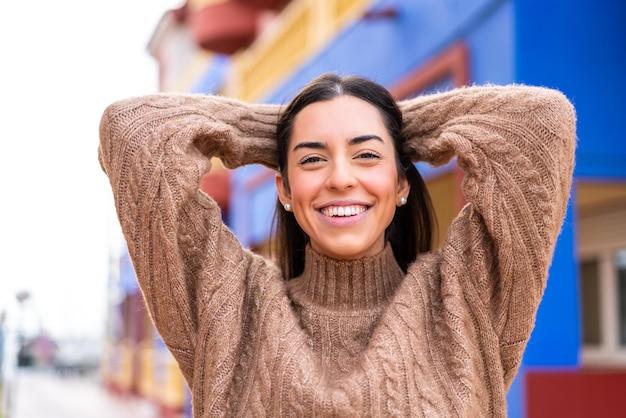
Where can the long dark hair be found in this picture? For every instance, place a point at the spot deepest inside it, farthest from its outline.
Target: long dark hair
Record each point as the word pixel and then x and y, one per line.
pixel 410 231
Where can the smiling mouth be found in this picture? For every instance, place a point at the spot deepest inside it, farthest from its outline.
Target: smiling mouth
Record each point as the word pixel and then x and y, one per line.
pixel 343 211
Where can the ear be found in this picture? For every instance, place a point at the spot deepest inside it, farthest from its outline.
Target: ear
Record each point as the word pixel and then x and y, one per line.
pixel 403 188
pixel 284 195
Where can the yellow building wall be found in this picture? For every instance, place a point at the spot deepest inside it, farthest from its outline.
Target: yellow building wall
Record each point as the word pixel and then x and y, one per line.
pixel 446 198
pixel 299 32
pixel 591 196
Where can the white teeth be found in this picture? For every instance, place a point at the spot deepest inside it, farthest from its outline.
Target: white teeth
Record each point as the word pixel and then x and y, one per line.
pixel 352 210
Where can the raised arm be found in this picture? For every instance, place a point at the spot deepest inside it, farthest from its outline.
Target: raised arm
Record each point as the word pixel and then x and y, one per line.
pixel 516 145
pixel 155 149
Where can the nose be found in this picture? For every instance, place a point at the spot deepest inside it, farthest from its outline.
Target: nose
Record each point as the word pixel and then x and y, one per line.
pixel 341 176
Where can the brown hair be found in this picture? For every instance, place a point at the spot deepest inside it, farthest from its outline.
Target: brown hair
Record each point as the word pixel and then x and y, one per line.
pixel 411 230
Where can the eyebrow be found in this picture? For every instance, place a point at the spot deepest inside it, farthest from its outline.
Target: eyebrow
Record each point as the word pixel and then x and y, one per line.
pixel 353 141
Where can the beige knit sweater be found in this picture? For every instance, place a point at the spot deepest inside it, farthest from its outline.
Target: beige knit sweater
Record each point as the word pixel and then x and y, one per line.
pixel 346 338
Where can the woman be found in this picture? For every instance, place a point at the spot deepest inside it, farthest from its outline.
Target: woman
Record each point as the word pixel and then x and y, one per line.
pixel 358 318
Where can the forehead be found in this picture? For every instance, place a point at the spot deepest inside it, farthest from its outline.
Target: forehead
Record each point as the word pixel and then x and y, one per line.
pixel 343 116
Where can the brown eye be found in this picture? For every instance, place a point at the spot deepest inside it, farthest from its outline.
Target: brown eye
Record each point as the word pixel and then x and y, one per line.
pixel 368 155
pixel 311 160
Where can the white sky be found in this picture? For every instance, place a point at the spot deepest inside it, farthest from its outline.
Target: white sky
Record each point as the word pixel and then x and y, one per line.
pixel 61 63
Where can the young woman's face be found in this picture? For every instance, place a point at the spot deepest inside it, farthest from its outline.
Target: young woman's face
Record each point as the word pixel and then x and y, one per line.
pixel 342 176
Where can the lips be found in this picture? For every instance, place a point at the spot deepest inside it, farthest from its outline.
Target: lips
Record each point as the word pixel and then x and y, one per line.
pixel 343 211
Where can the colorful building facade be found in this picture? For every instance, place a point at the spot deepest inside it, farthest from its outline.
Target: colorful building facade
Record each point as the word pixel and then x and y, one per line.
pixel 266 50
pixel 135 362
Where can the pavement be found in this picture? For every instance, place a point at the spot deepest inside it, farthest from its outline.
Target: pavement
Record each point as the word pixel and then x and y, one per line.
pixel 45 394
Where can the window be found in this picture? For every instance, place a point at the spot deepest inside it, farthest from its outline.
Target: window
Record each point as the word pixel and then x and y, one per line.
pixel 602 275
pixel 620 274
pixel 590 291
pixel 603 300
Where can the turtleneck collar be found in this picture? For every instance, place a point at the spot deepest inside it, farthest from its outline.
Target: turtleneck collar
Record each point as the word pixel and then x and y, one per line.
pixel 347 284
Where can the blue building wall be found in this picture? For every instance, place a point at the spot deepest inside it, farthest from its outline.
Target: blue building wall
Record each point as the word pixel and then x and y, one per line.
pixel 214 75
pixel 251 212
pixel 579 47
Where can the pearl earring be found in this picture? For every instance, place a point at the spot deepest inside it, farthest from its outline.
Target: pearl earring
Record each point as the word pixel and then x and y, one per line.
pixel 288 207
pixel 402 201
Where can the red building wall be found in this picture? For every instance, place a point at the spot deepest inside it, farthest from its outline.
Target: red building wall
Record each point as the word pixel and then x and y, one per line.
pixel 576 394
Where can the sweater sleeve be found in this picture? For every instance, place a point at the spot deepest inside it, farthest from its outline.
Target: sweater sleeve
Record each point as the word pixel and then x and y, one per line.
pixel 516 146
pixel 155 149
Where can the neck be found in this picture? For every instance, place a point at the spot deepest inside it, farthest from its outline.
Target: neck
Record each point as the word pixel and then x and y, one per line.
pixel 364 283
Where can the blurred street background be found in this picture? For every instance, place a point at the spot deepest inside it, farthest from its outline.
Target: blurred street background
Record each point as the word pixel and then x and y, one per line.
pixel 51 395
pixel 75 339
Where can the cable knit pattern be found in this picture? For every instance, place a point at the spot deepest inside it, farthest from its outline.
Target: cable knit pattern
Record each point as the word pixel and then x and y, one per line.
pixel 345 338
